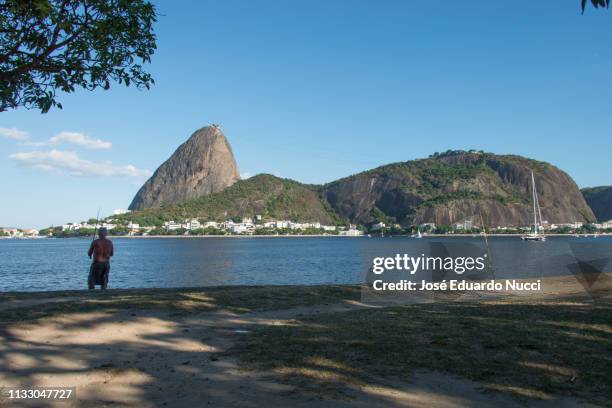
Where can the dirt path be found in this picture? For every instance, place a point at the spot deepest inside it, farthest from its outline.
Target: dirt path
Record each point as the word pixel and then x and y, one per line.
pixel 20 303
pixel 136 358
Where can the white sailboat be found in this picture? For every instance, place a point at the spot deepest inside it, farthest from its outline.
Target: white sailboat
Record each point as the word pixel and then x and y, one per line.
pixel 537 216
pixel 418 234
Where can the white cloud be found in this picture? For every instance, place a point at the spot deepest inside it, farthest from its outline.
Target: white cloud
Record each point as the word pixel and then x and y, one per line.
pixel 79 139
pixel 14 133
pixel 75 138
pixel 71 163
pixel 245 175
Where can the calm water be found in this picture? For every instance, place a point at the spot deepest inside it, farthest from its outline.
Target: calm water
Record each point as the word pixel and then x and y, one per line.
pixel 55 264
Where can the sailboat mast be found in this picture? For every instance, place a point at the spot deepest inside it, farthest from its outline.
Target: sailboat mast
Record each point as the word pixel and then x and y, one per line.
pixel 535 236
pixel 534 198
pixel 539 208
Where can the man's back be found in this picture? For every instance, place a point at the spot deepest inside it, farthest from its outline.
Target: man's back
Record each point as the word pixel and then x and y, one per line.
pixel 102 249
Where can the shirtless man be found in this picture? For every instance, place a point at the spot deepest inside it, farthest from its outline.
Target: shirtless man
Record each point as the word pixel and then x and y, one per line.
pixel 102 250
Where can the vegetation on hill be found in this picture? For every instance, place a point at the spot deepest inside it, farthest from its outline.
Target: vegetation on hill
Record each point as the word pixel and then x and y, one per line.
pixel 266 195
pixel 444 188
pixel 600 201
pixel 456 185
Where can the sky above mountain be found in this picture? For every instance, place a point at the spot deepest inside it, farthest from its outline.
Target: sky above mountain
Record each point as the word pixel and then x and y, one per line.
pixel 317 90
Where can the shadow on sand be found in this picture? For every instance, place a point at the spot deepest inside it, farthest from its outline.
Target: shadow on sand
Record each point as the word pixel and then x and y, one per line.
pixel 340 354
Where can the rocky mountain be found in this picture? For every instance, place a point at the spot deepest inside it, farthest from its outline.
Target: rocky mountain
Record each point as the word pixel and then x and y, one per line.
pixel 204 164
pixel 446 188
pixel 266 195
pixel 600 201
pixel 457 186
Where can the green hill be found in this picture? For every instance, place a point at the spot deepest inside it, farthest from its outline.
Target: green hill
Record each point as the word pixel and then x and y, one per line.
pixel 600 201
pixel 269 196
pixel 456 186
pixel 446 188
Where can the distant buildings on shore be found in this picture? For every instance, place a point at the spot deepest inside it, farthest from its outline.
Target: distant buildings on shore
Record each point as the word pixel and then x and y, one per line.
pixel 468 225
pixel 85 225
pixel 246 226
pixel 19 233
pixel 253 226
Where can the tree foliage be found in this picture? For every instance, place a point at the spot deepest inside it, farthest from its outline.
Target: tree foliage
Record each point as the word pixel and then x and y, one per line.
pixel 596 4
pixel 51 45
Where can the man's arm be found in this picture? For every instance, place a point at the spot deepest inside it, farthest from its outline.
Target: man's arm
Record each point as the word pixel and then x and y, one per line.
pixel 91 249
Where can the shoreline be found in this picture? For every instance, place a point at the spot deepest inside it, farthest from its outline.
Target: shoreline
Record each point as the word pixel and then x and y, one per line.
pixel 357 236
pixel 604 234
pixel 559 284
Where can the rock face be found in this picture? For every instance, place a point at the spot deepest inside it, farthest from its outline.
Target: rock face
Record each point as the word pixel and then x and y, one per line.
pixel 458 186
pixel 600 201
pixel 448 188
pixel 204 164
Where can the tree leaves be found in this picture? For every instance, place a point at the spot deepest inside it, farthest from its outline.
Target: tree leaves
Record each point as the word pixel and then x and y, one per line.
pixel 59 45
pixel 596 4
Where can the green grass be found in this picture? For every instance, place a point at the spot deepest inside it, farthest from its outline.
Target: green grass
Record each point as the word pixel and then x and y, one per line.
pixel 529 349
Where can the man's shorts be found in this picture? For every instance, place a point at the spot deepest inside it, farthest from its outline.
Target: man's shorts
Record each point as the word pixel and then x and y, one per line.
pixel 98 274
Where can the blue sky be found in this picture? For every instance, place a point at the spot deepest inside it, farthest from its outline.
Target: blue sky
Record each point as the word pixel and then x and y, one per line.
pixel 317 90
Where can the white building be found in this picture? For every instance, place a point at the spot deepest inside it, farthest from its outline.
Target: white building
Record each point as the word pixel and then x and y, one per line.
pixel 572 225
pixel 30 232
pixel 298 226
pixel 20 233
pixel 240 228
pixel 465 225
pixel 352 232
pixel 120 211
pixel 282 224
pixel 171 225
pixel 378 226
pixel 13 232
pixel 192 224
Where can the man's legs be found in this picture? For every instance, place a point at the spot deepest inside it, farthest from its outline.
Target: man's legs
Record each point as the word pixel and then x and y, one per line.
pixel 91 279
pixel 105 273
